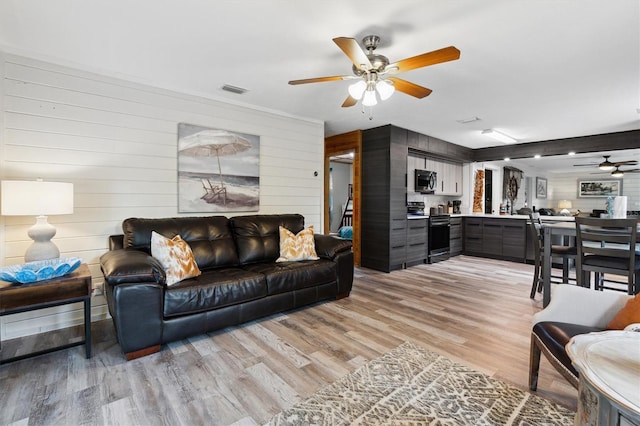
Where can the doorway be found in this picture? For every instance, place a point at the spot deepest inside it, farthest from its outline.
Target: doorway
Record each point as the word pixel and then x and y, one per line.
pixel 340 192
pixel 339 146
pixel 488 190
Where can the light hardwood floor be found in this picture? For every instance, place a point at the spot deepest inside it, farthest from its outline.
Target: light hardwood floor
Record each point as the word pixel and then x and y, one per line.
pixel 474 310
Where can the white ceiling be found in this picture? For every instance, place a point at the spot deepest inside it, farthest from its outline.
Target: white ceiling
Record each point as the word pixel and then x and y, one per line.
pixel 534 69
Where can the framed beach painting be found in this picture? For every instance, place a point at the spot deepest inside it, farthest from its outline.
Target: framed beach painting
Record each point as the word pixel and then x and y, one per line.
pixel 218 170
pixel 599 188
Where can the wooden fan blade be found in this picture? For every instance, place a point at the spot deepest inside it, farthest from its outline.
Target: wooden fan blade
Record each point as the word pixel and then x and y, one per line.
pixel 321 79
pixel 349 102
pixel 410 88
pixel 625 163
pixel 431 58
pixel 352 49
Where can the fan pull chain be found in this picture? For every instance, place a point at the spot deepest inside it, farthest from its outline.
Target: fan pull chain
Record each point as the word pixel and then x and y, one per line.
pixel 370 111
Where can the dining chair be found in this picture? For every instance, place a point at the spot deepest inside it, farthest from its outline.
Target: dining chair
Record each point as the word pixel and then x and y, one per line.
pixel 607 246
pixel 557 250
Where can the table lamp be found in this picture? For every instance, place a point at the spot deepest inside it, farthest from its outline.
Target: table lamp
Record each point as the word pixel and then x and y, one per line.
pixel 37 198
pixel 565 205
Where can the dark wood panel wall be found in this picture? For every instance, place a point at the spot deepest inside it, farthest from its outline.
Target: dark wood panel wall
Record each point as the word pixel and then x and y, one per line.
pixel 582 144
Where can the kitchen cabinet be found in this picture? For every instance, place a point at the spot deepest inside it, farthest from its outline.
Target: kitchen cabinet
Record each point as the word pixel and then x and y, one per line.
pixel 417 238
pixel 492 237
pixel 496 238
pixel 449 176
pixel 472 235
pixel 514 239
pixel 387 242
pixel 455 236
pixel 384 198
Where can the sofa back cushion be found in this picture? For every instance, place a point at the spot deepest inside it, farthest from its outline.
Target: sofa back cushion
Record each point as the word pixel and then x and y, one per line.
pixel 258 238
pixel 209 237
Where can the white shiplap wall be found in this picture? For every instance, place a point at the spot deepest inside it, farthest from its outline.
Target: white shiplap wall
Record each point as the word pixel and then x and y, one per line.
pixel 564 186
pixel 116 142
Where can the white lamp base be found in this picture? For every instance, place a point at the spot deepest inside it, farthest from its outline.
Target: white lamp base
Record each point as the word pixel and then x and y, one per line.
pixel 42 248
pixel 565 212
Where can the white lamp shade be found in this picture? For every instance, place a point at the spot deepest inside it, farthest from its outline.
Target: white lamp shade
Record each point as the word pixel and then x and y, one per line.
pixel 35 198
pixel 385 89
pixel 564 204
pixel 357 89
pixel 369 98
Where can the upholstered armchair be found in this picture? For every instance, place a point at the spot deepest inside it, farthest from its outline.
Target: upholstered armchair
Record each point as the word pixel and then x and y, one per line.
pixel 573 310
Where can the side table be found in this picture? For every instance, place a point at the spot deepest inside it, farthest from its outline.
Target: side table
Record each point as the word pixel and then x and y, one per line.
pixel 72 288
pixel 609 367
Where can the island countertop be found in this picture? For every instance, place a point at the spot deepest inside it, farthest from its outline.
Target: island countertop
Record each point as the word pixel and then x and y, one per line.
pixel 504 216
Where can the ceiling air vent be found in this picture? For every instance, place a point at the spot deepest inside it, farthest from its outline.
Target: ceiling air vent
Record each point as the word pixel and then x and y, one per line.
pixel 234 89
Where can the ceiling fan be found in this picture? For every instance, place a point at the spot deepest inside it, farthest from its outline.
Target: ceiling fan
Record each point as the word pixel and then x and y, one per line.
pixel 619 173
pixel 375 73
pixel 607 165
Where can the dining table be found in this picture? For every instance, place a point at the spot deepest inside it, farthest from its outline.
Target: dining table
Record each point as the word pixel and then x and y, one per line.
pixel 551 229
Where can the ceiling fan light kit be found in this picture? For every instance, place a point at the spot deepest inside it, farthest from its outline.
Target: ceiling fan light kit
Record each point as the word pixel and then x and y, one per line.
pixel 617 173
pixel 385 89
pixel 499 136
pixel 374 72
pixel 369 98
pixel 613 167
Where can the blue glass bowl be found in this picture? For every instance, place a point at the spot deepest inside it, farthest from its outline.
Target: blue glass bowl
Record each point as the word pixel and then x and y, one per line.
pixel 31 272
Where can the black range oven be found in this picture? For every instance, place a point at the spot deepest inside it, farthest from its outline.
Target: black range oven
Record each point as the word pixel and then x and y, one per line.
pixel 439 226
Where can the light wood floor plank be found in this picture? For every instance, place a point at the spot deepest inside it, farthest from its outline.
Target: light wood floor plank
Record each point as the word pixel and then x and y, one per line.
pixel 475 311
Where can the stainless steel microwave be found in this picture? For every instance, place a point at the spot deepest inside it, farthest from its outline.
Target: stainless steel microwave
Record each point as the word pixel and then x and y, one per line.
pixel 425 181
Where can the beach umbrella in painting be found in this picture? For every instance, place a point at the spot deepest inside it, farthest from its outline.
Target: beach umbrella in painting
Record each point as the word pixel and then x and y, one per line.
pixel 213 142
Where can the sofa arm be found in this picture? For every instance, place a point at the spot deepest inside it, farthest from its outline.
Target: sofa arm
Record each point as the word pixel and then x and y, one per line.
pixel 328 246
pixel 130 266
pixel 136 309
pixel 581 306
pixel 344 261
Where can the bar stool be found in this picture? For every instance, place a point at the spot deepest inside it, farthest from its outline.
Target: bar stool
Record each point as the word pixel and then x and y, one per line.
pixel 607 246
pixel 565 252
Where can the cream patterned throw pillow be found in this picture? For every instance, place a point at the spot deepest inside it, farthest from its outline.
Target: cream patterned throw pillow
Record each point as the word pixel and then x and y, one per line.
pixel 176 257
pixel 294 247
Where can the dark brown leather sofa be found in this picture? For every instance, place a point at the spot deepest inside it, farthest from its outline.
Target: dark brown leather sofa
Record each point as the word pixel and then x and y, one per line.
pixel 240 279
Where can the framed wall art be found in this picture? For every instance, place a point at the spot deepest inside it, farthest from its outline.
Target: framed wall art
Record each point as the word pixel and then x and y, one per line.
pixel 218 170
pixel 541 187
pixel 599 188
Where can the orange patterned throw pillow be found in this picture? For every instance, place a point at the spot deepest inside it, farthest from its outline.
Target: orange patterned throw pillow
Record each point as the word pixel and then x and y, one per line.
pixel 629 314
pixel 176 257
pixel 294 247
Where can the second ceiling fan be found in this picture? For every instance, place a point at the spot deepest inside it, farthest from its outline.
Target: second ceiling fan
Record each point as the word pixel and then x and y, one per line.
pixel 613 167
pixel 376 74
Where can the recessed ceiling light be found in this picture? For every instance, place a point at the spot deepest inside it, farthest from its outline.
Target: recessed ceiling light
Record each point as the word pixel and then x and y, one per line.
pixel 507 159
pixel 537 156
pixel 572 153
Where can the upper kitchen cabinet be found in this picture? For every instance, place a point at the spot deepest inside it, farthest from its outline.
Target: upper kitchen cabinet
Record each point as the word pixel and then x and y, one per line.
pixel 448 176
pixel 438 148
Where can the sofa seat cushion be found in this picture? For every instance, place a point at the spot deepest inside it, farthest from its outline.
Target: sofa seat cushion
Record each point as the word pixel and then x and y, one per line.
pixel 288 276
pixel 556 335
pixel 212 290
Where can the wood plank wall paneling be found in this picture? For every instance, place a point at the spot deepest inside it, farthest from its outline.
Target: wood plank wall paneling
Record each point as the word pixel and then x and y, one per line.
pixel 116 141
pixel 564 186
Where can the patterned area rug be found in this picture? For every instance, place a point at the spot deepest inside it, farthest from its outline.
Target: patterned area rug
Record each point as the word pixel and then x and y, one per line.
pixel 412 386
